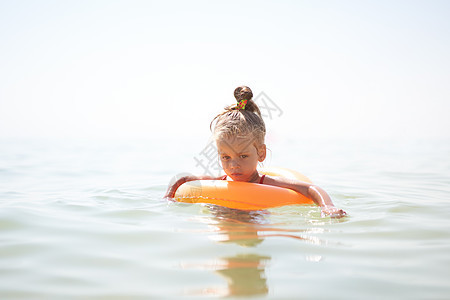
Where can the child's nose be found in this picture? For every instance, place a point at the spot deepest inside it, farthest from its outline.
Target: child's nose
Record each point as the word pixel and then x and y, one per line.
pixel 234 163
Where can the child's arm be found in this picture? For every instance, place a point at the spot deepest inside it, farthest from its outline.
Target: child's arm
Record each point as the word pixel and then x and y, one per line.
pixel 173 187
pixel 317 194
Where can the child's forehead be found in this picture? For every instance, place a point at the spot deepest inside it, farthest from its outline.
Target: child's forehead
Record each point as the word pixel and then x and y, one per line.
pixel 236 144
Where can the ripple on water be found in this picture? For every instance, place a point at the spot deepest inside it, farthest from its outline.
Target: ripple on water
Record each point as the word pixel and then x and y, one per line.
pixel 103 231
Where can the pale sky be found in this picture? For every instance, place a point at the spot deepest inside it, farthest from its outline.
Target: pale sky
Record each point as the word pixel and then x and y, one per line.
pixel 165 68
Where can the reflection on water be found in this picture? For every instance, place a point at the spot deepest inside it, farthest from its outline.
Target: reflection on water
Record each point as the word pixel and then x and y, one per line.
pixel 88 221
pixel 250 228
pixel 245 272
pixel 236 226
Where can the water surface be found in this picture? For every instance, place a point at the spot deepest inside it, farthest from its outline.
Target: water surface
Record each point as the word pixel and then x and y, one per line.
pixel 87 219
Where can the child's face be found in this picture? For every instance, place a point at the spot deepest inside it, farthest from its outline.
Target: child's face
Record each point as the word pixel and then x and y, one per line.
pixel 240 156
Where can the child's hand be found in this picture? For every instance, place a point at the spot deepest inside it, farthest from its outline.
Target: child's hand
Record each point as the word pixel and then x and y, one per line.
pixel 176 182
pixel 169 196
pixel 332 212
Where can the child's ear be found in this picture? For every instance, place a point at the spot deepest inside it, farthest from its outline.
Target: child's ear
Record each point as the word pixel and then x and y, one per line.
pixel 262 152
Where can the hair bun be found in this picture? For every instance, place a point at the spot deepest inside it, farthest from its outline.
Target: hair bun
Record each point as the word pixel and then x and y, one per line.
pixel 243 93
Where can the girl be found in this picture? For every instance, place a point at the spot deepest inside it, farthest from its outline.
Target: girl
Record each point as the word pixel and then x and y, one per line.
pixel 239 132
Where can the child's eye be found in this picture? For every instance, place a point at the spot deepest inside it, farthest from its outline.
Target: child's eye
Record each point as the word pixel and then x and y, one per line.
pixel 225 157
pixel 244 156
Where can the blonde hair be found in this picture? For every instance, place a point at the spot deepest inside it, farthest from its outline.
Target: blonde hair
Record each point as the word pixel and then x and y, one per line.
pixel 234 122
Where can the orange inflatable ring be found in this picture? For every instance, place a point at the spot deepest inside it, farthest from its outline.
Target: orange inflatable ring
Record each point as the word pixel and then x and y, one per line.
pixel 243 195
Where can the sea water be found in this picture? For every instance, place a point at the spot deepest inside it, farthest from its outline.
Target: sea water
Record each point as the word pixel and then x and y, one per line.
pixel 87 219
